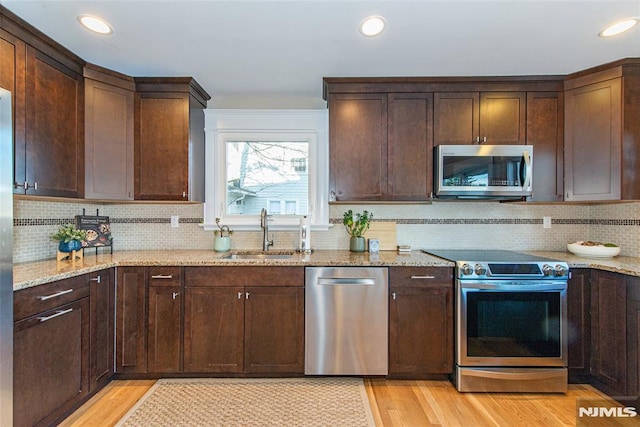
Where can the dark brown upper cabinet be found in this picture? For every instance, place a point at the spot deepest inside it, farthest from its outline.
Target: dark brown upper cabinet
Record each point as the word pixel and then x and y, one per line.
pixel 479 118
pixel 169 139
pixel 48 110
pixel 382 130
pixel 108 134
pixel 602 131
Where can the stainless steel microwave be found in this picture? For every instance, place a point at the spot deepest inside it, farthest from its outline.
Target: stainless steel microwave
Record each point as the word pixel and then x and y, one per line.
pixel 483 171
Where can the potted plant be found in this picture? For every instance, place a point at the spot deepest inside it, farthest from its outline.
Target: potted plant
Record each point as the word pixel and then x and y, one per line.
pixel 222 237
pixel 356 225
pixel 69 238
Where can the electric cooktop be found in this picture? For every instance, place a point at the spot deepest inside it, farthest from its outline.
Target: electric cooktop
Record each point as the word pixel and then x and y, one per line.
pixel 483 255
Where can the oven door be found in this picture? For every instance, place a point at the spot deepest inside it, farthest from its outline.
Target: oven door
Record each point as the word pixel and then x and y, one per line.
pixel 507 323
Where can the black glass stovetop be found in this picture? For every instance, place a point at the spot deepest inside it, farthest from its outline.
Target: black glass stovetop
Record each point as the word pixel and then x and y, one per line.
pixel 483 255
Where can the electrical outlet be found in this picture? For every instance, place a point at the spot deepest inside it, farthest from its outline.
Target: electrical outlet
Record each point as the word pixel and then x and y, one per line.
pixel 546 222
pixel 174 221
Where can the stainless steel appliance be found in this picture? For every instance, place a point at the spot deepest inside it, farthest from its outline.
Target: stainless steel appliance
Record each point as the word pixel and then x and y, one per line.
pixel 483 171
pixel 6 260
pixel 511 321
pixel 346 321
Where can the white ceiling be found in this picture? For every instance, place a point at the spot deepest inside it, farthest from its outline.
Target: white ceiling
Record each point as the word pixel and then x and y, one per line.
pixel 252 53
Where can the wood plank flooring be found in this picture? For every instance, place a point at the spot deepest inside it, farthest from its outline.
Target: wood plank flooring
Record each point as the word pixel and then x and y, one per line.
pixel 397 403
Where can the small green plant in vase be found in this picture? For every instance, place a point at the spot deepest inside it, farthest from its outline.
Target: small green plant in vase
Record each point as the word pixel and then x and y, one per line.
pixel 356 225
pixel 69 237
pixel 222 237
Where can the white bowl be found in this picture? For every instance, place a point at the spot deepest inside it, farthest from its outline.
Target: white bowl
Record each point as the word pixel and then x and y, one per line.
pixel 593 251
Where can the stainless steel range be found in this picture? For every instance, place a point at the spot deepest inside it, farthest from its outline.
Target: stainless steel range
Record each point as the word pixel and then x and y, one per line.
pixel 511 321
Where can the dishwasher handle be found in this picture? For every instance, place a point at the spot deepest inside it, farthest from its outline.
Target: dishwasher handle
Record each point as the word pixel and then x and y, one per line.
pixel 329 281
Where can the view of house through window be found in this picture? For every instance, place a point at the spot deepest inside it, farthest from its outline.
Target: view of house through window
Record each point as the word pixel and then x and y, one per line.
pixel 267 174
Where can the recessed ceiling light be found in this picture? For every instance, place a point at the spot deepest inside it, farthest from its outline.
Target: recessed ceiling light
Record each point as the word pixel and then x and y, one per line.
pixel 619 27
pixel 95 24
pixel 372 26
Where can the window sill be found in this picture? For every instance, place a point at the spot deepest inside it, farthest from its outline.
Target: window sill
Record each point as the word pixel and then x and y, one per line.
pixel 272 227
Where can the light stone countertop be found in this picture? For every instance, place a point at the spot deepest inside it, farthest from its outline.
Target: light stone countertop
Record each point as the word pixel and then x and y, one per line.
pixel 30 274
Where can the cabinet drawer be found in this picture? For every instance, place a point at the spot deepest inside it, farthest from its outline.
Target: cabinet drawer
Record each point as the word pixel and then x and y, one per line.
pixel 164 276
pixel 421 276
pixel 244 276
pixel 38 299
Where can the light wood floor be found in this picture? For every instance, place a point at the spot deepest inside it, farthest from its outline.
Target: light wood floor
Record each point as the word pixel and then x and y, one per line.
pixel 398 403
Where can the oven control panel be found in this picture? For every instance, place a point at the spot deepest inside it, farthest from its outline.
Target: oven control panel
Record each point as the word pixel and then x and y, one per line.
pixel 512 270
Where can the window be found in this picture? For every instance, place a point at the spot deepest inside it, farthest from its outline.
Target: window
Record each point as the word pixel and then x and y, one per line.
pixel 273 159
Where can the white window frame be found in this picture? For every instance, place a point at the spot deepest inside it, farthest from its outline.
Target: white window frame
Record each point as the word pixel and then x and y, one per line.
pixel 222 125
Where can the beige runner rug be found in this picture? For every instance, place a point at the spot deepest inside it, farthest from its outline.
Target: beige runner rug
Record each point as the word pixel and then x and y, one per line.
pixel 253 402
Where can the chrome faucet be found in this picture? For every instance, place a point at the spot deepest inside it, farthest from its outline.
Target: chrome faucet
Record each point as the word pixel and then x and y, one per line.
pixel 264 223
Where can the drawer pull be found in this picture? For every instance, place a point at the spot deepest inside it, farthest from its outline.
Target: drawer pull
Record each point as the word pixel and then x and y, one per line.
pixel 57 294
pixel 56 314
pixel 423 277
pixel 96 279
pixel 162 276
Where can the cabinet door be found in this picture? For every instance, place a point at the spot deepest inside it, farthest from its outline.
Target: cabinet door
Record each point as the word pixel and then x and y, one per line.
pixel 410 146
pixel 101 329
pixel 358 146
pixel 214 329
pixel 13 78
pixel 274 330
pixel 421 330
pixel 502 118
pixel 131 325
pixel 545 127
pixel 633 338
pixel 593 123
pixel 162 146
pixel 54 127
pixel 51 369
pixel 108 141
pixel 164 329
pixel 456 118
pixel 608 332
pixel 579 324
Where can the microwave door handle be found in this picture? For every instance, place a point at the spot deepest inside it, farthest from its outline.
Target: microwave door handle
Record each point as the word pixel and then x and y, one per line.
pixel 526 180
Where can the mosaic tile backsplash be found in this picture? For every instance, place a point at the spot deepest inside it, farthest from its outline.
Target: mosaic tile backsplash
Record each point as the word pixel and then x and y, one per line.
pixel 455 225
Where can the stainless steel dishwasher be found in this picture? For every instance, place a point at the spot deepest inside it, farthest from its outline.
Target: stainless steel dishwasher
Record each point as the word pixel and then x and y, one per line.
pixel 346 321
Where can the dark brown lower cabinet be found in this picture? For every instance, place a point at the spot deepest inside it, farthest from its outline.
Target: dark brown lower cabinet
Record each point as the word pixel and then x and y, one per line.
pixel 420 321
pixel 51 369
pixel 244 320
pixel 633 341
pixel 102 293
pixel 213 329
pixel 274 330
pixel 163 334
pixel 579 324
pixel 609 332
pixel 131 327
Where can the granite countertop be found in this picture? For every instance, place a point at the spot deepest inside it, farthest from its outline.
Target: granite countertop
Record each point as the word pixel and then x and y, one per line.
pixel 36 273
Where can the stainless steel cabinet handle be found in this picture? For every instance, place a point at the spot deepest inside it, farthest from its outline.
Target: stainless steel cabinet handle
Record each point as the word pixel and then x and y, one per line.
pixel 184 194
pixel 57 294
pixel 56 314
pixel 484 139
pixel 175 294
pixel 423 277
pixel 96 279
pixel 162 276
pixel 239 295
pixel 477 140
pixel 246 296
pixel 393 295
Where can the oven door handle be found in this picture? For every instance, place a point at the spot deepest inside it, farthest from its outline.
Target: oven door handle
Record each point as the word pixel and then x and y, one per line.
pixel 512 288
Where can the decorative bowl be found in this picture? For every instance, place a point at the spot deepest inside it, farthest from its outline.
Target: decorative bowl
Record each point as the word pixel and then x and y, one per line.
pixel 597 251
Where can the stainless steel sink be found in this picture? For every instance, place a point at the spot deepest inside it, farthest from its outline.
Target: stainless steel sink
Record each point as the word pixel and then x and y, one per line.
pixel 257 256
